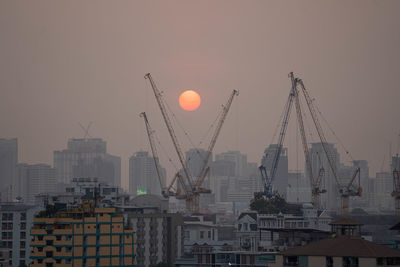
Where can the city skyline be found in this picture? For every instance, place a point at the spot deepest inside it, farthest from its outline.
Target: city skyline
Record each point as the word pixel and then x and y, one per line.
pixel 94 70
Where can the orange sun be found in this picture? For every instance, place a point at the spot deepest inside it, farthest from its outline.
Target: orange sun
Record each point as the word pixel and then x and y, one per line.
pixel 189 100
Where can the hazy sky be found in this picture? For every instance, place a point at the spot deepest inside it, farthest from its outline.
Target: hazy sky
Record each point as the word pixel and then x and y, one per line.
pixel 65 62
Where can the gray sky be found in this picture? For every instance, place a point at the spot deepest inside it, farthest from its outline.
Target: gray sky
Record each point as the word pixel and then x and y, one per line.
pixel 64 62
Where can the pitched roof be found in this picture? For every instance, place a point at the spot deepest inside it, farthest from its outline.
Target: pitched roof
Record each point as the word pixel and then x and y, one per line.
pixel 345 221
pixel 343 246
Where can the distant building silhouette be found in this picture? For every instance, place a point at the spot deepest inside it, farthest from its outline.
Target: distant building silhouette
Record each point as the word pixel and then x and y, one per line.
pixel 8 162
pixel 280 181
pixel 87 158
pixel 32 180
pixel 143 177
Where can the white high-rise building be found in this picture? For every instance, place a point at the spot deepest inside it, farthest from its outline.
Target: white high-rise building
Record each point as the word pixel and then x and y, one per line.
pixel 87 158
pixel 143 177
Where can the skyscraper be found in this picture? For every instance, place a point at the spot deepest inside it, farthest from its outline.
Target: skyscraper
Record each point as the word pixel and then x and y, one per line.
pixel 87 158
pixel 32 180
pixel 331 199
pixel 8 162
pixel 143 177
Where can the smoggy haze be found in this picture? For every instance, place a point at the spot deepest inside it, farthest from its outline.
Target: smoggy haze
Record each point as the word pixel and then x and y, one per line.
pixel 65 62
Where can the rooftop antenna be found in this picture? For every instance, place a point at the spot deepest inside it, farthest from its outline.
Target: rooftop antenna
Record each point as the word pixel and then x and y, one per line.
pixel 86 130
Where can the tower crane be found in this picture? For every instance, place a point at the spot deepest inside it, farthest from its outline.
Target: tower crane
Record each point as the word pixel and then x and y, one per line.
pixel 193 190
pixel 345 190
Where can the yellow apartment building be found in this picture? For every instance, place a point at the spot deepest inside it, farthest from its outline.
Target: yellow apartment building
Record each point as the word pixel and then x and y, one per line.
pixel 82 237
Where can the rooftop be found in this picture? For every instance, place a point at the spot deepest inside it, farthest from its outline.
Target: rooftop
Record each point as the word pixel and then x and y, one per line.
pixel 345 221
pixel 343 246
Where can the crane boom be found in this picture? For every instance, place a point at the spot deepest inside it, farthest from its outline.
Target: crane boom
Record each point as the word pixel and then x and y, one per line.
pixel 171 131
pixel 226 108
pixel 319 130
pixel 153 149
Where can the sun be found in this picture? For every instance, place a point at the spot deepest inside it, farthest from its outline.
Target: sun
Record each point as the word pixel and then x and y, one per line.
pixel 189 100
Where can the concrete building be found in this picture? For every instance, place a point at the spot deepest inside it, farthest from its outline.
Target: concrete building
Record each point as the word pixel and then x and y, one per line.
pixel 16 222
pixel 344 248
pixel 271 232
pixel 280 181
pixel 143 177
pixel 195 158
pixel 84 236
pixel 87 158
pixel 239 159
pixel 8 162
pixel 159 234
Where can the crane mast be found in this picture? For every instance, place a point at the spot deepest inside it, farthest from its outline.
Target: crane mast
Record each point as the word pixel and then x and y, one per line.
pixel 171 131
pixel 204 169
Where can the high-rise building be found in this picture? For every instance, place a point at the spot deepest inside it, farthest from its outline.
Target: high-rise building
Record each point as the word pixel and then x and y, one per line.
pixel 143 177
pixel 16 222
pixel 8 162
pixel 32 180
pixel 331 199
pixel 236 157
pixel 87 158
pixel 280 181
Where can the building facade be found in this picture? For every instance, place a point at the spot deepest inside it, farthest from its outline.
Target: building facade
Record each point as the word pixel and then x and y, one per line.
pixel 82 237
pixel 87 158
pixel 16 222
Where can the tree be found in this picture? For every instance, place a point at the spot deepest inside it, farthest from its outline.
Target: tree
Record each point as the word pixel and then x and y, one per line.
pixel 273 205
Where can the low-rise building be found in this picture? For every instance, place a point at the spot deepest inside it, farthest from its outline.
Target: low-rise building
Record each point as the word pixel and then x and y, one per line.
pixel 345 247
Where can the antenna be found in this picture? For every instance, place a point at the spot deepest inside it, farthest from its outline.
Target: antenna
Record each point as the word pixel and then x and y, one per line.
pixel 86 130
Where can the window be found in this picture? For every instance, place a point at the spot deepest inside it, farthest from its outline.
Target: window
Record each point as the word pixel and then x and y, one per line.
pixel 49 264
pixel 22 253
pixel 23 216
pixel 69 237
pixel 58 261
pixel 22 263
pixel 187 234
pixel 350 262
pixel 23 226
pixel 329 261
pixel 201 234
pixel 22 244
pixel 49 242
pixel 40 238
pixel 58 249
pixel 49 254
pixel 40 261
pixel 23 235
pixel 40 249
pixel 68 249
pixel 68 261
pixel 209 234
pixel 379 261
pixel 58 237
